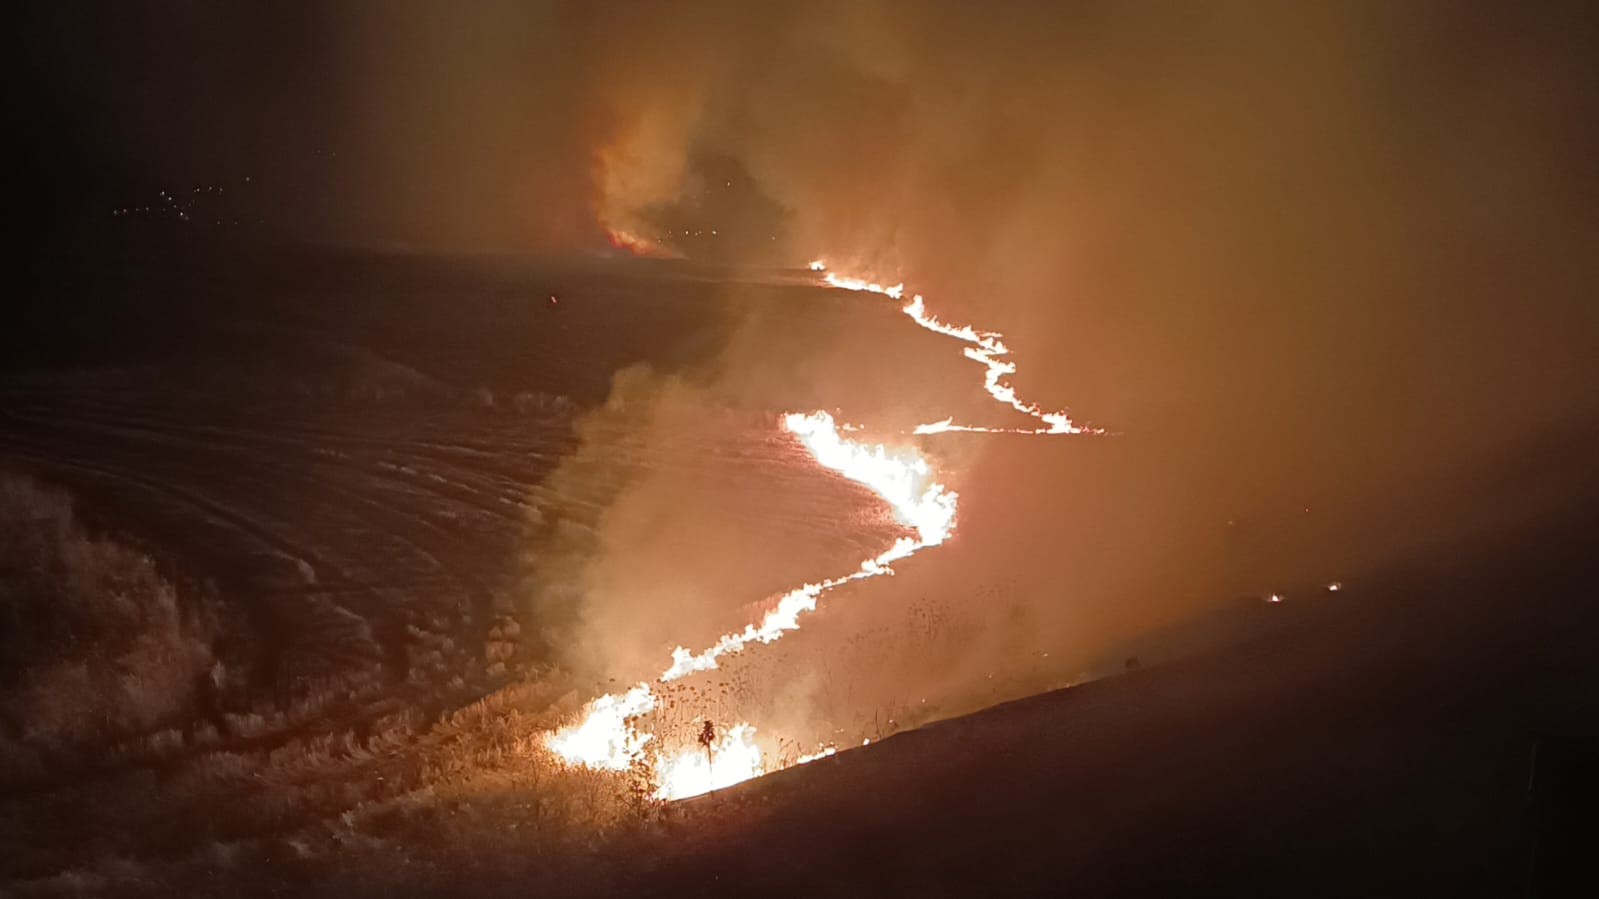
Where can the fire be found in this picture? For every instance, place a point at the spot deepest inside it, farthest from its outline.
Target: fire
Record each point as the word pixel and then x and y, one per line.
pixel 985 348
pixel 903 479
pixel 896 290
pixel 732 759
pixel 636 244
pixel 607 737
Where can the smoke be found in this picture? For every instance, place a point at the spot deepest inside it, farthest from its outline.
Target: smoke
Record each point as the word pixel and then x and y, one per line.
pixel 1318 265
pixel 1333 257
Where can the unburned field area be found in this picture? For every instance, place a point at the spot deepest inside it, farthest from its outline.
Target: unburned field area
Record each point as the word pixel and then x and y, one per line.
pixel 277 625
pixel 271 516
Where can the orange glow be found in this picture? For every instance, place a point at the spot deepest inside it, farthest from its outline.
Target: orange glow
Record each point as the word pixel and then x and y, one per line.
pixel 902 478
pixel 691 771
pixel 636 244
pixel 607 737
pixel 985 348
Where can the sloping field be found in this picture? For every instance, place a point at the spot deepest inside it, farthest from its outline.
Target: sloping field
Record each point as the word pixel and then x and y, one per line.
pixel 1433 732
pixel 351 468
pixel 343 459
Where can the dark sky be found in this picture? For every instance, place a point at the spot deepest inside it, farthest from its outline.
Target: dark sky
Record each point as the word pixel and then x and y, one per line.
pixel 481 124
pixel 121 101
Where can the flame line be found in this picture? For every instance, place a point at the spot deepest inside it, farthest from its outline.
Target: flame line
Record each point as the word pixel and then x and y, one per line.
pixel 986 348
pixel 606 738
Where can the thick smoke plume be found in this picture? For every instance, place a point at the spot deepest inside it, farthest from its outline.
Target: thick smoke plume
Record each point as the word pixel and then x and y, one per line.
pixel 1319 265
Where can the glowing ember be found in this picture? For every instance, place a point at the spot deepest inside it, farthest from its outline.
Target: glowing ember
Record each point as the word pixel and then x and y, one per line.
pixel 606 737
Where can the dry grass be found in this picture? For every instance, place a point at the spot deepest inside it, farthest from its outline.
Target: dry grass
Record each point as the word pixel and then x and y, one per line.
pixel 413 799
pixel 94 642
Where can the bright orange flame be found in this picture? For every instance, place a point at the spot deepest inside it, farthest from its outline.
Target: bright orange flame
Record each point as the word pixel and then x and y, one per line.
pixel 637 244
pixel 985 348
pixel 902 478
pixel 732 759
pixel 606 737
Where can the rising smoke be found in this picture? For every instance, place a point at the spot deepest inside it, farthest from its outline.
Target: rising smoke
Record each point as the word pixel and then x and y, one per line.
pixel 1324 256
pixel 1317 264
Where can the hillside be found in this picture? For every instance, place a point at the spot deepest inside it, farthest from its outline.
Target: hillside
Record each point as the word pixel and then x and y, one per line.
pixel 1382 745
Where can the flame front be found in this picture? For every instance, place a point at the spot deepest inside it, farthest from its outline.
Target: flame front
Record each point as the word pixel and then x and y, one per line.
pixel 637 244
pixel 606 737
pixel 986 348
pixel 732 759
pixel 903 479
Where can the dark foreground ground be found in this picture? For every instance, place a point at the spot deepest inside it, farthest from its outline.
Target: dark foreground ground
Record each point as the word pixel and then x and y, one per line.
pixel 1433 732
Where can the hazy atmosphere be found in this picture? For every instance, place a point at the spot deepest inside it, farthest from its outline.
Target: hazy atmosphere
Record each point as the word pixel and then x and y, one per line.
pixel 394 386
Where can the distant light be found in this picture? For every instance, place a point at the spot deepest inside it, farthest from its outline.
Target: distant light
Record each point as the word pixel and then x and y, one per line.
pixel 1275 597
pixel 1335 586
pixel 817 265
